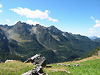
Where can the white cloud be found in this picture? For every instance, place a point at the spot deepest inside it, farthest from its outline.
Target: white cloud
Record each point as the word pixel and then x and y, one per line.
pixel 0 5
pixel 92 17
pixel 97 24
pixel 54 20
pixel 33 14
pixel 8 20
pixel 32 23
pixel 92 30
pixel 95 29
pixel 0 10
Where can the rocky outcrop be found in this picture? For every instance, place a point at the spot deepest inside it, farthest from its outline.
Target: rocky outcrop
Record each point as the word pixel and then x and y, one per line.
pixel 39 62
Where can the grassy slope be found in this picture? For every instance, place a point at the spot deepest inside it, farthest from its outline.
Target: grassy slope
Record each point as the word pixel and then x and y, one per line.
pixel 88 66
pixel 14 68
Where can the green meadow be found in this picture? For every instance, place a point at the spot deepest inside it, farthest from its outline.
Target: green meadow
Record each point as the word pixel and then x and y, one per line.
pixel 88 66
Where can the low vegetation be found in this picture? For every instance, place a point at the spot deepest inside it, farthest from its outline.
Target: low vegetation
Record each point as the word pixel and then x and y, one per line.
pixel 88 66
pixel 14 68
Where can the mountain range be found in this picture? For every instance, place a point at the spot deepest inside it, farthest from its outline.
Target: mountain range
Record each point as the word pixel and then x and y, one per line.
pixel 95 38
pixel 21 41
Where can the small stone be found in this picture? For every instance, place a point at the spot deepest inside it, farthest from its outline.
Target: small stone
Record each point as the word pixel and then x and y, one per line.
pixel 68 65
pixel 58 64
pixel 63 64
pixel 77 64
pixel 68 71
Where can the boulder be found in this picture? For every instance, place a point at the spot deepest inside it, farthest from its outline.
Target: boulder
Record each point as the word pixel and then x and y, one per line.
pixel 39 62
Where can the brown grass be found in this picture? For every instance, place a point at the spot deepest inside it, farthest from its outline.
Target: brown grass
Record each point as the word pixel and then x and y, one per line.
pixel 56 68
pixel 86 59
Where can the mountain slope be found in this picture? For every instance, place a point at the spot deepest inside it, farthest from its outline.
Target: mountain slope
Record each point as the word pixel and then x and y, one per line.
pixel 5 51
pixel 25 40
pixel 3 42
pixel 95 52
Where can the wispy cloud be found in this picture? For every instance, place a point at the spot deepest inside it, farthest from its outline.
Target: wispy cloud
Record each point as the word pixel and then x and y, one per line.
pixel 0 7
pixel 0 10
pixel 92 30
pixel 33 14
pixel 95 29
pixel 97 24
pixel 8 20
pixel 92 17
pixel 51 19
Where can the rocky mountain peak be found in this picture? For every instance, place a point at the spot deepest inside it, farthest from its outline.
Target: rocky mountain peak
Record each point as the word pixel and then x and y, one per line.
pixel 37 25
pixel 54 29
pixel 19 22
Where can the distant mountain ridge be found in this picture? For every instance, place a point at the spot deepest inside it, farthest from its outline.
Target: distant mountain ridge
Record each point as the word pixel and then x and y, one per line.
pixel 25 40
pixel 95 38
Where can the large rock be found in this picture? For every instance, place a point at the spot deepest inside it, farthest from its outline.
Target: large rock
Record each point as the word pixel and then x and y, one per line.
pixel 37 59
pixel 39 62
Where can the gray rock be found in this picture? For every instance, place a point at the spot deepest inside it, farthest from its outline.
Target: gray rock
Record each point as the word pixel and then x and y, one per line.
pixel 58 64
pixel 63 64
pixel 39 68
pixel 37 59
pixel 99 53
pixel 76 65
pixel 29 73
pixel 68 72
pixel 8 61
pixel 68 65
pixel 39 62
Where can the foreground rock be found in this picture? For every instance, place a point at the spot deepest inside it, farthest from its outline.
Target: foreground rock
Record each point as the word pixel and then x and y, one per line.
pixel 8 61
pixel 39 62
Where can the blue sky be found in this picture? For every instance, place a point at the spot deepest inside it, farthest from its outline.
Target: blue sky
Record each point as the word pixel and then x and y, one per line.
pixel 75 16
